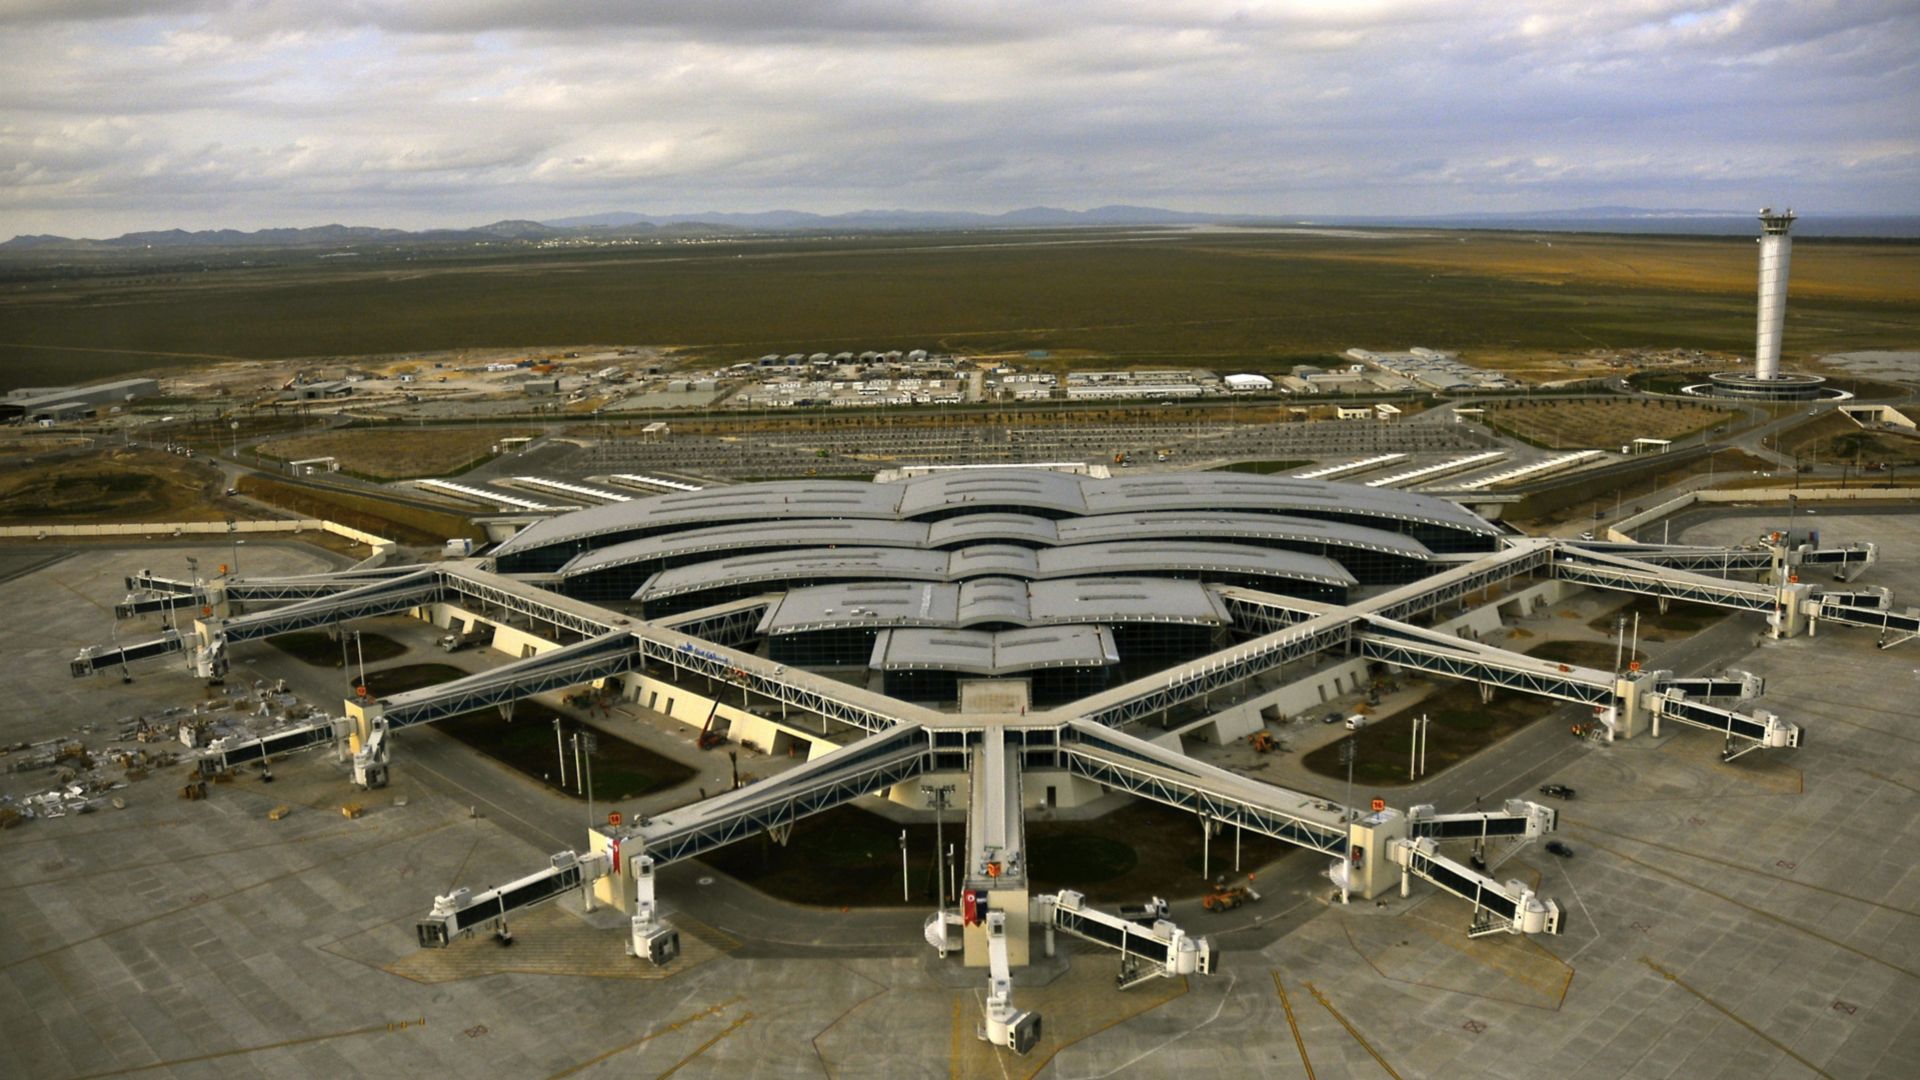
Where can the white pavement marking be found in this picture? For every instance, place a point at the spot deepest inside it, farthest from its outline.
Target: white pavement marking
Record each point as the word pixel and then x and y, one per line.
pixel 1226 995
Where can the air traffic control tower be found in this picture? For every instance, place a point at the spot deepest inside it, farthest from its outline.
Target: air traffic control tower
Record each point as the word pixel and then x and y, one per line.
pixel 1767 380
pixel 1776 247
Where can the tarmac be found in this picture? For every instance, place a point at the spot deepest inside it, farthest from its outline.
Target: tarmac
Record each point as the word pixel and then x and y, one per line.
pixel 1752 919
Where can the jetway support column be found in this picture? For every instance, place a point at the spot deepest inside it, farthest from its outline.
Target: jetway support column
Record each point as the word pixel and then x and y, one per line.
pixel 1371 869
pixel 361 714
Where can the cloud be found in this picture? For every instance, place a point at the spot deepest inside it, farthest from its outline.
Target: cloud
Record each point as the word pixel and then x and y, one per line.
pixel 120 115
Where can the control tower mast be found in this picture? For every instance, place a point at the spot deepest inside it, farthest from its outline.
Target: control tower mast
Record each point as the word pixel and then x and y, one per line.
pixel 1775 248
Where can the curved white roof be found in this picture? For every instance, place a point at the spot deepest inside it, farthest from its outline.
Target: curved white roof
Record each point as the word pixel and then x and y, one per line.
pixel 994 561
pixel 1063 494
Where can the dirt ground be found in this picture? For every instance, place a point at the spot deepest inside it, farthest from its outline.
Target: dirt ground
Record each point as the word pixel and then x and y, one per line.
pixel 315 648
pixel 1680 620
pixel 117 485
pixel 525 743
pixel 1461 727
pixel 1601 424
pixel 397 454
pixel 851 857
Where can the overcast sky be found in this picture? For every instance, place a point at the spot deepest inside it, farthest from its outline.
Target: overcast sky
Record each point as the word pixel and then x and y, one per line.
pixel 131 114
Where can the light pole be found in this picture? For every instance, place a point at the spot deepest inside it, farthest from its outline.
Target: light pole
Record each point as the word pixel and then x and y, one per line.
pixel 560 749
pixel 588 744
pixel 1346 818
pixel 938 793
pixel 360 650
pixel 233 535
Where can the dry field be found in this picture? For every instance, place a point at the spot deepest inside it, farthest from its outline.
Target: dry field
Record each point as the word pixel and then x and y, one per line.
pixel 1602 424
pixel 117 486
pixel 398 454
pixel 1851 270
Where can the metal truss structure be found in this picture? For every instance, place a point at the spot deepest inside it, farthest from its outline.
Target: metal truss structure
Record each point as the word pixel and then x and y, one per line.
pixel 868 767
pixel 570 665
pixel 1151 772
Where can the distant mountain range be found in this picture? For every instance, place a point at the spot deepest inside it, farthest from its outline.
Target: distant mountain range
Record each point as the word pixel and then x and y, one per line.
pixel 794 220
pixel 627 223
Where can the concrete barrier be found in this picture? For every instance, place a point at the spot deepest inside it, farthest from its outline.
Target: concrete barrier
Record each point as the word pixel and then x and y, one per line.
pixel 1621 531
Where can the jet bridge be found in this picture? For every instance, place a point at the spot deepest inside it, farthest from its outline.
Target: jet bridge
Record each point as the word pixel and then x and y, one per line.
pixel 96 658
pixel 868 767
pixel 149 592
pixel 1740 685
pixel 240 749
pixel 1148 950
pixel 1847 563
pixel 996 821
pixel 461 912
pixel 1697 559
pixel 1630 575
pixel 1508 907
pixel 1518 819
pixel 1762 730
pixel 1149 771
pixel 570 665
pixel 1409 646
pixel 1896 627
pixel 400 593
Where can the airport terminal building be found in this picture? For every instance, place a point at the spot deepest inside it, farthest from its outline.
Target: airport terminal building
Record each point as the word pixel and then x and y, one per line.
pixel 1071 582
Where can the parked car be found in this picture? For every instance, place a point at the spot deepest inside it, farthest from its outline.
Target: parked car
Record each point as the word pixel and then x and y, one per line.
pixel 1555 847
pixel 1333 718
pixel 1556 791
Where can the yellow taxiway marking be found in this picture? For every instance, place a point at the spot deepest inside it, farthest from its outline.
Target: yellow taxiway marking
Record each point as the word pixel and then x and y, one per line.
pixel 1724 1011
pixel 1351 1030
pixel 1287 1004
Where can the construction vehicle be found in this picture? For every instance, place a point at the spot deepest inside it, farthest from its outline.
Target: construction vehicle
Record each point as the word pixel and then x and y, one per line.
pixel 1223 897
pixel 455 642
pixel 709 738
pixel 1263 742
pixel 1145 914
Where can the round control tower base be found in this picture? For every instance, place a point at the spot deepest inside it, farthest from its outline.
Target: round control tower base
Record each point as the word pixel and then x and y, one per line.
pixel 1784 386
